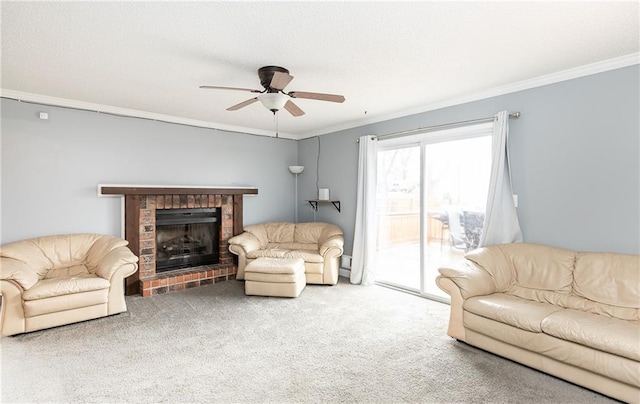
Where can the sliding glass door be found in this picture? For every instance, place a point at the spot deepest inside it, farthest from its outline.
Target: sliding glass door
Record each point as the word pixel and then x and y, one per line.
pixel 398 217
pixel 430 205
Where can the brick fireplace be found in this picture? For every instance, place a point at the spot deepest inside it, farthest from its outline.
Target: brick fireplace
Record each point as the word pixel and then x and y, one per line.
pixel 140 206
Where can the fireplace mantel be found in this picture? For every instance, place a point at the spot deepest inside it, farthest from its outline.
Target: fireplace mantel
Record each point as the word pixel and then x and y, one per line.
pixel 140 203
pixel 109 189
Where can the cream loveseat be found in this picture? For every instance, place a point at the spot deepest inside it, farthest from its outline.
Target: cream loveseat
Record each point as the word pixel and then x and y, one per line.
pixel 574 315
pixel 320 245
pixel 56 280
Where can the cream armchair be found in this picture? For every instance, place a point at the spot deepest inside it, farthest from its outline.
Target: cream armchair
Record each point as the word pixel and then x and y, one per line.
pixel 320 245
pixel 56 280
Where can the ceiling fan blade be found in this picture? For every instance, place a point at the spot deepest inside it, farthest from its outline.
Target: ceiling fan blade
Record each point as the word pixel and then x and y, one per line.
pixel 317 96
pixel 243 104
pixel 293 109
pixel 231 88
pixel 280 80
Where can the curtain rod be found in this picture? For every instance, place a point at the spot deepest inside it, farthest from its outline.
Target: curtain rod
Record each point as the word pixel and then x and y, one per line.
pixel 514 115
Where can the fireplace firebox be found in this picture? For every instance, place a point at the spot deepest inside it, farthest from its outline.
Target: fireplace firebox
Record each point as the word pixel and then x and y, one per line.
pixel 186 238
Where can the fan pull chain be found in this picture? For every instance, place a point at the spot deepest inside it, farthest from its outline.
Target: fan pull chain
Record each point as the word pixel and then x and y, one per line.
pixel 275 117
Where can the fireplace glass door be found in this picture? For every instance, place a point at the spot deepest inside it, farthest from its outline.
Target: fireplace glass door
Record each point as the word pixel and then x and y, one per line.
pixel 186 238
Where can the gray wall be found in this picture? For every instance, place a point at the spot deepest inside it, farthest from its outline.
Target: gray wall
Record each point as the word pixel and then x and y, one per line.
pixel 575 163
pixel 575 155
pixel 51 169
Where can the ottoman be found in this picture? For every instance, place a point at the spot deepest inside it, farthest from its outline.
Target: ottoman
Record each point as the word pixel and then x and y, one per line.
pixel 282 277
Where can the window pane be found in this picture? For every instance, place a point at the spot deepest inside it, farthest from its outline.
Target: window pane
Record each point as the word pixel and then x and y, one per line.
pixel 398 212
pixel 456 180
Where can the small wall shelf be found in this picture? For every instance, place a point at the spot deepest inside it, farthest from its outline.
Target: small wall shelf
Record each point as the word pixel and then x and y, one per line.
pixel 314 203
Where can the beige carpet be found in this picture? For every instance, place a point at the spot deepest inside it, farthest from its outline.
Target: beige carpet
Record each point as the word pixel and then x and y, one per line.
pixel 340 344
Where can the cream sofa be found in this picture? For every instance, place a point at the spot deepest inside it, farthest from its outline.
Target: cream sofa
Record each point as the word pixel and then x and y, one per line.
pixel 320 245
pixel 55 280
pixel 574 315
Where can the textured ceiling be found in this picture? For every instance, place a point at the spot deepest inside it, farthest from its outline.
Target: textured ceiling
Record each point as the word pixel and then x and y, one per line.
pixel 384 57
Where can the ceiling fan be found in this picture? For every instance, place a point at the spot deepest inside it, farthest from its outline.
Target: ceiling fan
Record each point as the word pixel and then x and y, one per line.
pixel 274 79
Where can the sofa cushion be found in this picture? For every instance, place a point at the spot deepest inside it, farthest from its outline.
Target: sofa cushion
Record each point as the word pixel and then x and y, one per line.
pixel 278 246
pixel 259 232
pixel 66 304
pixel 315 232
pixel 306 255
pixel 543 296
pixel 291 246
pixel 570 301
pixel 493 261
pixel 600 332
pixel 313 268
pixel 280 232
pixel 272 232
pixel 66 250
pixel 608 278
pixel 524 314
pixel 582 356
pixel 304 246
pixel 64 286
pixel 590 306
pixel 527 260
pixel 269 253
pixel 69 272
pixel 308 232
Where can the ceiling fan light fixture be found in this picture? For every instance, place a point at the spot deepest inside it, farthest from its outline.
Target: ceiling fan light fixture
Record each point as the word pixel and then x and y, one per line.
pixel 274 79
pixel 273 101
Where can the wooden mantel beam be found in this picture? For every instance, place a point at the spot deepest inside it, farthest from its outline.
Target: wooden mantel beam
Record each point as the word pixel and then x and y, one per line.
pixel 107 189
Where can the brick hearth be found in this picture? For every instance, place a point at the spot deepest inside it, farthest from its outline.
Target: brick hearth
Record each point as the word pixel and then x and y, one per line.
pixel 140 208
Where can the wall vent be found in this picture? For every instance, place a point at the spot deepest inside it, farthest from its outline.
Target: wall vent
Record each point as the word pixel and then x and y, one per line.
pixel 346 262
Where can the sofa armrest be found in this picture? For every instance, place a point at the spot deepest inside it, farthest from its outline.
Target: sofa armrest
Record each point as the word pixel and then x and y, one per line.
pixel 456 324
pixel 335 243
pixel 18 271
pixel 243 243
pixel 114 260
pixel 461 282
pixel 471 279
pixel 12 319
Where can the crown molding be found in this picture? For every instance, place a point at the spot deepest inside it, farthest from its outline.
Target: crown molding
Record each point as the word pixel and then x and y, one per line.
pixel 564 75
pixel 133 113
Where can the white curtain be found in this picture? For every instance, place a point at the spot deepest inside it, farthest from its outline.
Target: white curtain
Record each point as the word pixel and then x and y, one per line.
pixel 364 239
pixel 501 218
